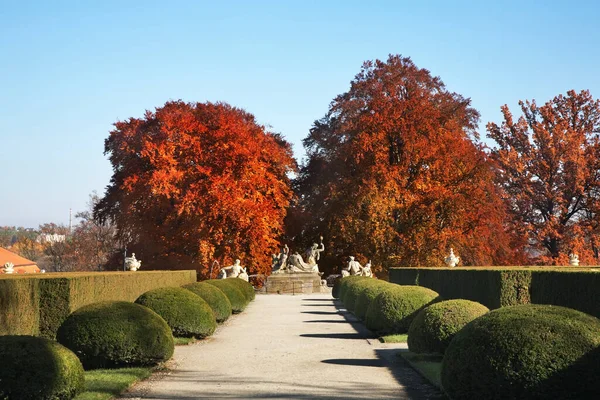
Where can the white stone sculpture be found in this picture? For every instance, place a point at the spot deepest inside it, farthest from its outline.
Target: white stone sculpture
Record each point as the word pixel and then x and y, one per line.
pixel 9 268
pixel 279 261
pixel 573 260
pixel 296 263
pixel 367 270
pixel 234 271
pixel 452 260
pixel 132 263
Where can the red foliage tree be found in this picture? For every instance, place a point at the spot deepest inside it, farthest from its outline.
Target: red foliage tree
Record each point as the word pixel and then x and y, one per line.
pixel 394 174
pixel 548 165
pixel 198 182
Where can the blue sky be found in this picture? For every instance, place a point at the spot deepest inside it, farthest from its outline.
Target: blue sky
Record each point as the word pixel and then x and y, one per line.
pixel 69 70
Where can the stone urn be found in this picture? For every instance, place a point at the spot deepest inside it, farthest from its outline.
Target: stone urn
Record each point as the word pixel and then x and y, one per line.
pixel 9 268
pixel 573 260
pixel 452 260
pixel 132 263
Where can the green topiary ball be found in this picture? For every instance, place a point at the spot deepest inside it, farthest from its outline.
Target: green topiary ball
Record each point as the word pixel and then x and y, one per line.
pixel 393 310
pixel 38 369
pixel 367 295
pixel 434 326
pixel 354 289
pixel 525 352
pixel 246 288
pixel 215 298
pixel 344 282
pixel 236 297
pixel 186 313
pixel 117 333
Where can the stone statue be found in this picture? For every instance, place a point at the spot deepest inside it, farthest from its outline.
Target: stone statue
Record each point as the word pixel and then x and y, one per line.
pixel 367 270
pixel 132 263
pixel 452 260
pixel 573 260
pixel 234 271
pixel 9 268
pixel 354 267
pixel 279 261
pixel 297 264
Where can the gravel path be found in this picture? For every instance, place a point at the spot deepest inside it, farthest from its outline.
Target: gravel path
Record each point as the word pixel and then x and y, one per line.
pixel 288 347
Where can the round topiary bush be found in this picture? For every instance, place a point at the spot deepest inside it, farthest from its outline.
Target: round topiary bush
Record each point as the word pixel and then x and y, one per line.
pixel 525 352
pixel 246 288
pixel 354 289
pixel 434 326
pixel 344 282
pixel 38 368
pixel 187 314
pixel 236 297
pixel 216 299
pixel 366 296
pixel 393 310
pixel 117 333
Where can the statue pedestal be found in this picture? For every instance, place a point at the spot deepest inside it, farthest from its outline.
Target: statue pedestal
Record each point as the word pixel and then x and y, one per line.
pixel 295 283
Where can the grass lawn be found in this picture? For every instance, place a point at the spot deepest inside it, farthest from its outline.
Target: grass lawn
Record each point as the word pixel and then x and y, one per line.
pixel 400 338
pixel 428 365
pixel 104 384
pixel 184 341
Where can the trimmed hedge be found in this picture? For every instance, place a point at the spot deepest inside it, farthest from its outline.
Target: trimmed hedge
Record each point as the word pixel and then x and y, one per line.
pixel 393 310
pixel 367 296
pixel 344 282
pixel 500 287
pixel 236 297
pixel 434 326
pixel 216 299
pixel 117 333
pixel 38 368
pixel 245 287
pixel 187 314
pixel 335 291
pixel 38 304
pixel 354 290
pixel 525 352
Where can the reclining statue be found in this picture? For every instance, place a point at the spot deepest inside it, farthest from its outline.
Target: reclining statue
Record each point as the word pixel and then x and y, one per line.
pixel 234 271
pixel 297 264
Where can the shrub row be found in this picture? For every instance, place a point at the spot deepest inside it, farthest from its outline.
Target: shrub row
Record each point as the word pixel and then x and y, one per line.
pixel 500 287
pixel 38 304
pixel 386 308
pixel 111 334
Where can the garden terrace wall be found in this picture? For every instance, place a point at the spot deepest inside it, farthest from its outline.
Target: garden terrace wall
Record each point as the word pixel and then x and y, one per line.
pixel 38 304
pixel 497 287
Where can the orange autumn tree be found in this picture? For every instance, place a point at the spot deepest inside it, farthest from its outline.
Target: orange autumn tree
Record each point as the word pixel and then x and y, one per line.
pixel 394 174
pixel 197 182
pixel 548 165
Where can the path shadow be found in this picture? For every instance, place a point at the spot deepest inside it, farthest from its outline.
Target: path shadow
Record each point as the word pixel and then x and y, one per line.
pixel 334 335
pixel 325 312
pixel 317 305
pixel 329 300
pixel 359 362
pixel 327 321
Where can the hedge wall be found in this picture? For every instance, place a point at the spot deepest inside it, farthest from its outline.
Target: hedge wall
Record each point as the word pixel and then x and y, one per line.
pixel 38 304
pixel 507 286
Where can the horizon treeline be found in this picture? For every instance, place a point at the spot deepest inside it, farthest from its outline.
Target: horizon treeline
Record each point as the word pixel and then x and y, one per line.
pixel 395 172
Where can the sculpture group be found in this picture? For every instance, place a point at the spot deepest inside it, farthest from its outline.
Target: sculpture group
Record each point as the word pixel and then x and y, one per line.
pixel 285 263
pixel 353 268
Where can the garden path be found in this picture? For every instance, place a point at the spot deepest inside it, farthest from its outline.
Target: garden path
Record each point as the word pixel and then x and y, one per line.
pixel 288 347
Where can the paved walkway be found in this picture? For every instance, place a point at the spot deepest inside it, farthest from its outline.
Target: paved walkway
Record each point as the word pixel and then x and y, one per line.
pixel 288 347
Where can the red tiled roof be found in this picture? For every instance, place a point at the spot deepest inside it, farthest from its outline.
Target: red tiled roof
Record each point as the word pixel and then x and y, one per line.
pixel 22 265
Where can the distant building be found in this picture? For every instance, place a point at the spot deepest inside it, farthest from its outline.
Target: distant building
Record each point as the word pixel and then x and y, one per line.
pixel 50 238
pixel 21 264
